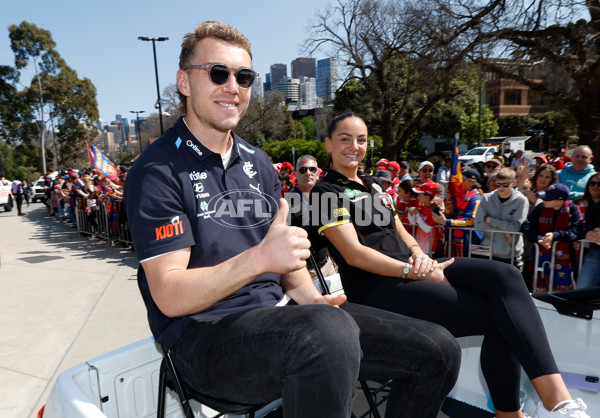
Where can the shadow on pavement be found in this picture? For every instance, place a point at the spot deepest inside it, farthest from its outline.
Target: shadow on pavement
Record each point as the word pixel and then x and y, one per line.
pixel 60 237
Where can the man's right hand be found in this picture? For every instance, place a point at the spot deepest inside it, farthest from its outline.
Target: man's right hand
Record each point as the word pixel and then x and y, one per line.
pixel 285 248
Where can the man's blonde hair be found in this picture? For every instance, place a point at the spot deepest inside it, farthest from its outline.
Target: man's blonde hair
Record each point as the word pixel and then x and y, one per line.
pixel 209 29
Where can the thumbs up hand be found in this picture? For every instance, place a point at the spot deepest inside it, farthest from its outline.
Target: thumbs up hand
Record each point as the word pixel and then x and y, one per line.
pixel 285 248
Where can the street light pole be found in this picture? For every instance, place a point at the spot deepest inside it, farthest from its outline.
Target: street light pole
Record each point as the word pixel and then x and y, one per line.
pixel 139 132
pixel 158 101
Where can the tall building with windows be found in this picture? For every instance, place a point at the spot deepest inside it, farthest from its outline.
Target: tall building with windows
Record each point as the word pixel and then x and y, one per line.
pixel 306 67
pixel 278 77
pixel 292 91
pixel 267 83
pixel 327 79
pixel 308 93
pixel 257 89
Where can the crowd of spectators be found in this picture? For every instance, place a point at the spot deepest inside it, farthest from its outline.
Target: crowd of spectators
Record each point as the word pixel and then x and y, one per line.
pixel 86 199
pixel 513 210
pixel 552 202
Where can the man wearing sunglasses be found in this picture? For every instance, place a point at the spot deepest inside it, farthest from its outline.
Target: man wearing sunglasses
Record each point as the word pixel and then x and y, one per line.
pixel 216 258
pixel 504 209
pixel 491 167
pixel 307 175
pixel 425 172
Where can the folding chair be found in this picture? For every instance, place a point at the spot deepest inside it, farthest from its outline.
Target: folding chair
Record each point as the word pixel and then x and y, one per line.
pixel 168 378
pixel 370 395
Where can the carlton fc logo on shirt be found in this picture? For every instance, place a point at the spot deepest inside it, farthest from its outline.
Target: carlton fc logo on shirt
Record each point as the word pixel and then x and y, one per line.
pixel 175 227
pixel 249 169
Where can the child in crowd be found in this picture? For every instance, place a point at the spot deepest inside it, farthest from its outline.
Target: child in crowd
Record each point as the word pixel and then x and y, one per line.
pixel 427 235
pixel 406 199
pixel 555 219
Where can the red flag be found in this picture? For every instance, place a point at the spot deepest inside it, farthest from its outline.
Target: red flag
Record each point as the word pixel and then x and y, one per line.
pixel 456 194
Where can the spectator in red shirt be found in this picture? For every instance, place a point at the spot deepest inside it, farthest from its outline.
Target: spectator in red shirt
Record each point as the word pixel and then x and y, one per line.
pixel 555 160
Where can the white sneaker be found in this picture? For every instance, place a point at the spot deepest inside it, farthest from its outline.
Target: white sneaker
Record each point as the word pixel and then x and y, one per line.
pixel 571 408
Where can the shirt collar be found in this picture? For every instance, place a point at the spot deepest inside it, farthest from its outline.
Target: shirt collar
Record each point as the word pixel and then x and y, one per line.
pixel 186 139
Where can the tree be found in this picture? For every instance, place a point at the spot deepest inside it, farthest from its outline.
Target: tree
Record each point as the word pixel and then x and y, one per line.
pixel 556 126
pixel 515 125
pixel 280 151
pixel 73 106
pixel 293 129
pixel 462 113
pixel 405 55
pixel 263 119
pixel 56 97
pixel 310 127
pixel 552 46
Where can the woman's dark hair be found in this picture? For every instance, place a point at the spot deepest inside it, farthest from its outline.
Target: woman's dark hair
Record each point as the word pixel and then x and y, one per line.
pixel 587 196
pixel 539 170
pixel 334 123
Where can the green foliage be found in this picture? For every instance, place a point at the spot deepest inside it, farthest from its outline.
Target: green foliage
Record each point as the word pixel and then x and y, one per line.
pixel 352 97
pixel 515 125
pixel 281 151
pixel 293 129
pixel 557 126
pixel 14 161
pixel 310 127
pixel 67 102
pixel 263 119
pixel 27 41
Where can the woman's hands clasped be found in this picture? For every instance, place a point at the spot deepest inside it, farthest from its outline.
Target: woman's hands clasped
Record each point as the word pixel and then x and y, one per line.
pixel 428 269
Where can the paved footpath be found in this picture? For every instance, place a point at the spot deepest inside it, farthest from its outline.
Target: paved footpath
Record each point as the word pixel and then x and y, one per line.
pixel 64 299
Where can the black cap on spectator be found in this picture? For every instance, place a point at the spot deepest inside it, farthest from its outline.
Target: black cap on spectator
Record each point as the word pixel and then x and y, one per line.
pixel 471 174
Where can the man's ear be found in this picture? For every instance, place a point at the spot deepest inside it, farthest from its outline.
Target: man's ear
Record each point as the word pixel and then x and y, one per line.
pixel 183 82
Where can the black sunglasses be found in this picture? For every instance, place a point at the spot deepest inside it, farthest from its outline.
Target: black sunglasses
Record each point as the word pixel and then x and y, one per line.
pixel 502 184
pixel 219 74
pixel 594 183
pixel 302 170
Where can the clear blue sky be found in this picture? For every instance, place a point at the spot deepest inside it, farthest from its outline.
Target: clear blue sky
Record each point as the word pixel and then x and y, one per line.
pixel 98 39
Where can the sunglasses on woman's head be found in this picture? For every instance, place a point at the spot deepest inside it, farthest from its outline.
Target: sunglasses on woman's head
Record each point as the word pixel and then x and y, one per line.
pixel 594 183
pixel 219 74
pixel 302 170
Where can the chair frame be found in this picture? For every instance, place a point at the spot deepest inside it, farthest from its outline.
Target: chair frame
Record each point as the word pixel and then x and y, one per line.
pixel 169 378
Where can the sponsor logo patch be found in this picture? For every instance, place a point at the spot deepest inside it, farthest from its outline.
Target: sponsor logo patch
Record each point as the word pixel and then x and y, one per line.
pixel 171 229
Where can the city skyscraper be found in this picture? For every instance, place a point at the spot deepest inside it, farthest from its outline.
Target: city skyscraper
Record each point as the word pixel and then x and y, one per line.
pixel 267 83
pixel 278 76
pixel 257 88
pixel 306 67
pixel 327 78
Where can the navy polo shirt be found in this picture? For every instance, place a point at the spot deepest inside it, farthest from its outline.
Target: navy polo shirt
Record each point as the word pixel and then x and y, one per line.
pixel 371 210
pixel 179 195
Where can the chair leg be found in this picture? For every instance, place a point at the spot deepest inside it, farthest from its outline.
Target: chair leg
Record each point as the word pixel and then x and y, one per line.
pixel 185 402
pixel 162 389
pixel 370 400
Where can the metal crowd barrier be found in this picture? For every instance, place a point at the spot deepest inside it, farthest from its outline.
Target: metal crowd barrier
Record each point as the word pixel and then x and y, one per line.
pixel 482 250
pixel 488 250
pixel 106 221
pixel 552 263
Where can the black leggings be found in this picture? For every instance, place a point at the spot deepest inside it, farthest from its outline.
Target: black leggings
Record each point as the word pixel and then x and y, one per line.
pixel 486 298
